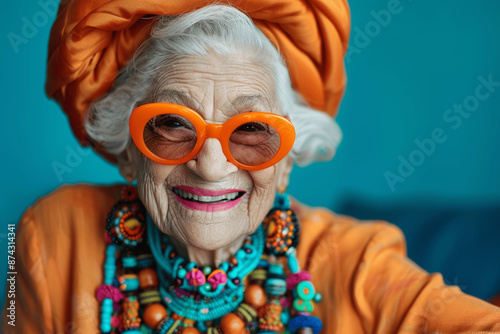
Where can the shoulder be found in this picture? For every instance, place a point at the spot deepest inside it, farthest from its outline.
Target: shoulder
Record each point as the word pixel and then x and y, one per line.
pixel 327 237
pixel 78 194
pixel 69 212
pixel 59 250
pixel 70 202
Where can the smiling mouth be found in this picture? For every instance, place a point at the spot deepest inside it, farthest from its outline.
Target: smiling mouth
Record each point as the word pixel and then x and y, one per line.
pixel 186 195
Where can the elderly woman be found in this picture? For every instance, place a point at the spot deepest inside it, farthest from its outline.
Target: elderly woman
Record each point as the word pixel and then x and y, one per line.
pixel 204 117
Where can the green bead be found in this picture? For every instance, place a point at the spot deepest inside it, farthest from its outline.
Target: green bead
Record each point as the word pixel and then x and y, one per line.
pixel 318 297
pixel 300 305
pixel 207 270
pixel 305 290
pixel 207 286
pixel 181 273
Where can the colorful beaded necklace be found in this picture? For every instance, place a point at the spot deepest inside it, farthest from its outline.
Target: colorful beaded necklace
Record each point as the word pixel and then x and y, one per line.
pixel 152 289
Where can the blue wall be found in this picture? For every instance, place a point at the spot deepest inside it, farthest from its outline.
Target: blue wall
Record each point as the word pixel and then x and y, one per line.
pixel 403 76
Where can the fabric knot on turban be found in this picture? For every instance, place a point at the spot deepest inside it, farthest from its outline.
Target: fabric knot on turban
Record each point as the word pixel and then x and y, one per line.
pixel 91 40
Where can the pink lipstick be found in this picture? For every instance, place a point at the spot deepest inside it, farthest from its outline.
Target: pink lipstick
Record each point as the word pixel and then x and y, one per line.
pixel 207 200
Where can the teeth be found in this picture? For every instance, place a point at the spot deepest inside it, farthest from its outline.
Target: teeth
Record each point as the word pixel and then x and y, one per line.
pixel 206 199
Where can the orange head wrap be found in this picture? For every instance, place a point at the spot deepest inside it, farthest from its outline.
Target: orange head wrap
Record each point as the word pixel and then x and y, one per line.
pixel 91 40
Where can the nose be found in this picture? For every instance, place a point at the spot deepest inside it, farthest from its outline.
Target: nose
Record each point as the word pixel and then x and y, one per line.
pixel 211 164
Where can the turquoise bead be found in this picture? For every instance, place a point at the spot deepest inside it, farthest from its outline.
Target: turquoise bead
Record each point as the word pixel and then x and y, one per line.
pixel 318 297
pixel 106 311
pixel 275 286
pixel 131 284
pixel 105 327
pixel 129 261
pixel 190 266
pixel 181 273
pixel 207 286
pixel 293 264
pixel 132 331
pixel 110 250
pixel 285 317
pixel 109 273
pixel 107 305
pixel 276 269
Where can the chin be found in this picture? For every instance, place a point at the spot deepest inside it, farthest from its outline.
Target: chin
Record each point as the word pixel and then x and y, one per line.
pixel 214 236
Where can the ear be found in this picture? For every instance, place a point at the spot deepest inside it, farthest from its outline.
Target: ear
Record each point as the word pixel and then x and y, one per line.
pixel 126 164
pixel 283 176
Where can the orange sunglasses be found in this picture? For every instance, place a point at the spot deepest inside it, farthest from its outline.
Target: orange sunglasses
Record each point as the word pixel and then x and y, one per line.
pixel 172 134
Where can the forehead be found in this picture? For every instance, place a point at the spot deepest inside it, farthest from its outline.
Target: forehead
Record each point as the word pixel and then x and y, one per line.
pixel 231 85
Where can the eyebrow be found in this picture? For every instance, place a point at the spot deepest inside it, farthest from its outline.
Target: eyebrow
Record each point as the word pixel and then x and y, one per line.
pixel 249 102
pixel 176 97
pixel 237 104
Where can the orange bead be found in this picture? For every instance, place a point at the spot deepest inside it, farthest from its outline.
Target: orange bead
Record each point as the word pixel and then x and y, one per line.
pixel 190 330
pixel 153 314
pixel 255 296
pixel 148 278
pixel 232 324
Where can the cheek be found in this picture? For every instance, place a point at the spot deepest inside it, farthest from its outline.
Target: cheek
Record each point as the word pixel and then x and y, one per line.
pixel 263 193
pixel 151 189
pixel 265 178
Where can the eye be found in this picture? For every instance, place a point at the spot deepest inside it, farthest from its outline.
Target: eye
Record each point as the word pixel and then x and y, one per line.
pixel 172 124
pixel 251 127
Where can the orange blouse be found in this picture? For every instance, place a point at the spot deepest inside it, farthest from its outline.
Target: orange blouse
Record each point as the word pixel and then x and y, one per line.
pixel 361 269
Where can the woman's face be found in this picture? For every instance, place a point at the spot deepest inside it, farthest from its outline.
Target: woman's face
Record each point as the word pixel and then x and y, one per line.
pixel 217 90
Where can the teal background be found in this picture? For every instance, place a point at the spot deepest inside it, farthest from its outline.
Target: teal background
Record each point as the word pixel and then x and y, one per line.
pixel 400 83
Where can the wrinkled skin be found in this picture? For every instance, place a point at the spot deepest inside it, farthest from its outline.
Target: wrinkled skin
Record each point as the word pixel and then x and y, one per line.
pixel 213 85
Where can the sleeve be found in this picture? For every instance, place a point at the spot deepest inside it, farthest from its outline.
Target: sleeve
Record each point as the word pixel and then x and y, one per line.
pixel 31 310
pixel 393 295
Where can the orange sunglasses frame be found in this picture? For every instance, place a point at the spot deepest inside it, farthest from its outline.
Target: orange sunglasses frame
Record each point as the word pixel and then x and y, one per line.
pixel 141 116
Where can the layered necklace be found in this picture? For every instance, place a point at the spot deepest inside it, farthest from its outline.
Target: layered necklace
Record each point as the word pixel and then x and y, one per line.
pixel 149 288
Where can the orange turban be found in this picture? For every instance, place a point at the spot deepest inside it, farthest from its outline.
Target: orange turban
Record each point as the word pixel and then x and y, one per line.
pixel 91 40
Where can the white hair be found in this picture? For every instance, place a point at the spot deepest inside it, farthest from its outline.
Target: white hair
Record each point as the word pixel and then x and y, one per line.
pixel 220 30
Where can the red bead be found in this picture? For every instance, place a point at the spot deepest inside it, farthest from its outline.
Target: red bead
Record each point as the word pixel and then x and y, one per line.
pixel 153 314
pixel 255 296
pixel 232 324
pixel 148 278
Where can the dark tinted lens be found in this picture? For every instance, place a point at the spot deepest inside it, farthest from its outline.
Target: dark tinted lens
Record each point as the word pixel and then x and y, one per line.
pixel 170 136
pixel 254 143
